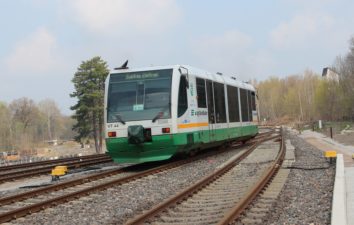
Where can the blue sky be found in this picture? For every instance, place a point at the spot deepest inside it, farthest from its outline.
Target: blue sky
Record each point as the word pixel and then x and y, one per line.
pixel 43 42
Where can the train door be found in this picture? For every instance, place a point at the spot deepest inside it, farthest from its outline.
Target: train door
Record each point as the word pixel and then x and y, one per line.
pixel 211 110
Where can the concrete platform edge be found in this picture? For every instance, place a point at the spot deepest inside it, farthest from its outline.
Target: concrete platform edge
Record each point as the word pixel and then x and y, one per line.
pixel 339 194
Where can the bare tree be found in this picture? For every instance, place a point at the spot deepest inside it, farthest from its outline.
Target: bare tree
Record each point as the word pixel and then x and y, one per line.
pixel 25 111
pixel 5 127
pixel 52 114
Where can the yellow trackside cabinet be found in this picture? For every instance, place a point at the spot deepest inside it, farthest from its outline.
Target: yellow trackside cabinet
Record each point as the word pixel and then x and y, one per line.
pixel 330 154
pixel 59 171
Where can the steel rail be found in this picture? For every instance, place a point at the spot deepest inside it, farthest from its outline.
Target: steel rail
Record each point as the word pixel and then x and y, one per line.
pixel 47 169
pixel 194 188
pixel 8 216
pixel 259 136
pixel 26 195
pixel 58 186
pixel 238 209
pixel 54 161
pixel 262 135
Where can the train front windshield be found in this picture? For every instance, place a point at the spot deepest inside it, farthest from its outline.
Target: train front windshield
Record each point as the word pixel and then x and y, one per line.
pixel 143 95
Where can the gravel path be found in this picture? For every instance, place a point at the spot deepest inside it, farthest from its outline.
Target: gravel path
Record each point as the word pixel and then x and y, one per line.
pixel 307 196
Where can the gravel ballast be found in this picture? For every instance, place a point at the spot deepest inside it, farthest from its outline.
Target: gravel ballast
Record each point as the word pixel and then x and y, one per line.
pixel 307 195
pixel 115 205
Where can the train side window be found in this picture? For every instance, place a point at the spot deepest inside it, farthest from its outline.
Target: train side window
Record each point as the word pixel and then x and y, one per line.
pixel 232 97
pixel 249 97
pixel 253 100
pixel 244 105
pixel 201 93
pixel 182 97
pixel 220 110
pixel 210 98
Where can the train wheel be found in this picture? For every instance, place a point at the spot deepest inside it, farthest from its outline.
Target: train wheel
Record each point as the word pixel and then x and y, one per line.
pixel 192 153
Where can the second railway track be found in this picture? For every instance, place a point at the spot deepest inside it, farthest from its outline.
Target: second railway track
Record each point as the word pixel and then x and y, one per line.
pixel 26 203
pixel 25 172
pixel 49 162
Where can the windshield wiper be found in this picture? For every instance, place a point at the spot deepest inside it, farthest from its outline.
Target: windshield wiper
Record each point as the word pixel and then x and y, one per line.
pixel 160 114
pixel 119 118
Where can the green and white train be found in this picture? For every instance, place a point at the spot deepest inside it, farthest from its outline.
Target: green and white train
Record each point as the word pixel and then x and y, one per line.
pixel 157 112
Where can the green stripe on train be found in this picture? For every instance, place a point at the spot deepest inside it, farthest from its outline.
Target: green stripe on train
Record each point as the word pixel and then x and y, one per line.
pixel 165 146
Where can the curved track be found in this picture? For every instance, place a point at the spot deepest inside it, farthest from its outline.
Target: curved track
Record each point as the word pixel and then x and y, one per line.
pixel 222 196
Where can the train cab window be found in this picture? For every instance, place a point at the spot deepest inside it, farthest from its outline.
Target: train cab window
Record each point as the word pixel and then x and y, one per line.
pixel 232 97
pixel 219 97
pixel 201 100
pixel 182 97
pixel 244 105
pixel 141 95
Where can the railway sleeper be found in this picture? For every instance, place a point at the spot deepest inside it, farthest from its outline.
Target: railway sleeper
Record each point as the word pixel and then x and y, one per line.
pixel 247 221
pixel 204 208
pixel 218 195
pixel 186 209
pixel 222 190
pixel 192 214
pixel 34 200
pixel 261 205
pixel 207 201
pixel 178 223
pixel 265 198
pixel 192 220
pixel 163 223
pixel 227 186
pixel 259 210
pixel 255 215
pixel 210 204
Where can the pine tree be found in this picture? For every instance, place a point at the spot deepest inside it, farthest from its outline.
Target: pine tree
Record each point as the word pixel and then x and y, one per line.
pixel 89 90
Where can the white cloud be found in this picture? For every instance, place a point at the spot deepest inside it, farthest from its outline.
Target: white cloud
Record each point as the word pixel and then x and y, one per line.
pixel 223 43
pixel 315 4
pixel 113 16
pixel 300 30
pixel 232 53
pixel 35 53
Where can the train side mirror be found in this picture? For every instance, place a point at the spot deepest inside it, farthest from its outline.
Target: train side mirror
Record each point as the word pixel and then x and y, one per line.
pixel 184 72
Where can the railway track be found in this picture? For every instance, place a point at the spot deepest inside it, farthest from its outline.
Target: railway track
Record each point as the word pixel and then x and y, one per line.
pixel 24 172
pixel 256 212
pixel 221 197
pixel 49 162
pixel 29 202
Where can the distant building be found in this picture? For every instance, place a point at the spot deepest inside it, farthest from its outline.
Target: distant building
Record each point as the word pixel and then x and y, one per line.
pixel 329 74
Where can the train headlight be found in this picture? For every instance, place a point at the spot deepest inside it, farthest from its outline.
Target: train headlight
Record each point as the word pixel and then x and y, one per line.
pixel 112 134
pixel 166 130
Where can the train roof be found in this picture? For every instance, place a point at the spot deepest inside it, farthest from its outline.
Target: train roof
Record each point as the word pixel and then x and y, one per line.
pixel 196 72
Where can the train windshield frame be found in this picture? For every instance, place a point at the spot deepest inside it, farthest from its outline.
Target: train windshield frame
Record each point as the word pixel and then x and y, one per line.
pixel 142 95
